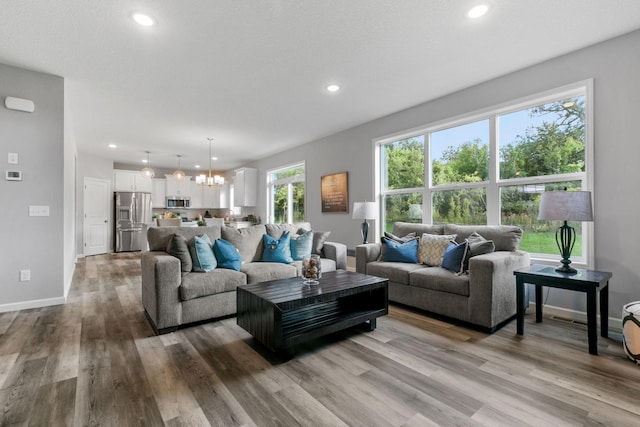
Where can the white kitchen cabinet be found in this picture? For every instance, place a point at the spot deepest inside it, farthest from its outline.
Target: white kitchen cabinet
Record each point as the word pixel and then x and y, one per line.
pixel 216 196
pixel 196 191
pixel 178 187
pixel 245 184
pixel 158 193
pixel 126 180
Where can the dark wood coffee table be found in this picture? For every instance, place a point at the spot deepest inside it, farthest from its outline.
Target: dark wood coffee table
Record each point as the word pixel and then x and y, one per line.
pixel 283 313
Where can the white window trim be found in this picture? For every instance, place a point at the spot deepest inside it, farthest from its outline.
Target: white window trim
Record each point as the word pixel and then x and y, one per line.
pixel 285 181
pixel 584 87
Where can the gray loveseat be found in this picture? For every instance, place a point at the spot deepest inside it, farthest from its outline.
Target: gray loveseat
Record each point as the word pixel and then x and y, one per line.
pixel 172 297
pixel 484 298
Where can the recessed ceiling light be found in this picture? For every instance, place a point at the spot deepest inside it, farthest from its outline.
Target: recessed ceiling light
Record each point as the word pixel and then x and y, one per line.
pixel 333 88
pixel 478 11
pixel 112 146
pixel 145 161
pixel 214 158
pixel 144 20
pixel 196 166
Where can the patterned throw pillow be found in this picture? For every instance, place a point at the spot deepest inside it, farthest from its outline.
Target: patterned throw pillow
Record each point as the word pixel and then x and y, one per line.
pixel 432 248
pixel 301 245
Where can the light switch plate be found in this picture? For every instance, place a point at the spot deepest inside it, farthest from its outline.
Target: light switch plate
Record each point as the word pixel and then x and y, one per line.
pixel 38 210
pixel 12 158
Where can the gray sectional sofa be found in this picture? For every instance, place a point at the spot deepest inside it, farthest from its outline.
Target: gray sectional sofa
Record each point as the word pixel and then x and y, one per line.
pixel 172 297
pixel 485 297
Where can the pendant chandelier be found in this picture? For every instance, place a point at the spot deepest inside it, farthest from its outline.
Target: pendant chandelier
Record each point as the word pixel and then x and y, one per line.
pixel 179 173
pixel 210 180
pixel 147 172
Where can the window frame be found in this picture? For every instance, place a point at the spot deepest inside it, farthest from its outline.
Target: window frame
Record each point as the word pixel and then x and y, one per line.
pixel 289 181
pixel 494 183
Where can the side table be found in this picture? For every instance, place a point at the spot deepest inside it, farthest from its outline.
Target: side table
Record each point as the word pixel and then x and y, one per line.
pixel 588 281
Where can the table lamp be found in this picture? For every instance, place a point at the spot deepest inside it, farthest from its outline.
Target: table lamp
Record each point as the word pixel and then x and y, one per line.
pixel 565 206
pixel 364 211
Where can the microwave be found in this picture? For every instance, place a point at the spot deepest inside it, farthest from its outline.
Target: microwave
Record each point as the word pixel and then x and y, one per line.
pixel 177 202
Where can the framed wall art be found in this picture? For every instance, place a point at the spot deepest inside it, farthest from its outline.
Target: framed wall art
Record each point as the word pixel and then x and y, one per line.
pixel 334 190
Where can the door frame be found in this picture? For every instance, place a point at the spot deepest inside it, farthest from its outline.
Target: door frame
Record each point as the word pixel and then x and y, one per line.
pixel 108 213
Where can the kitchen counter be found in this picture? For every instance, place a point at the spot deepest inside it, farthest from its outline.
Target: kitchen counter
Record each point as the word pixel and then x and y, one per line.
pixel 237 224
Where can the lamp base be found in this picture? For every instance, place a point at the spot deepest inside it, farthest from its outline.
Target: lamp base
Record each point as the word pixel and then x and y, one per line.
pixel 566 238
pixel 365 231
pixel 566 269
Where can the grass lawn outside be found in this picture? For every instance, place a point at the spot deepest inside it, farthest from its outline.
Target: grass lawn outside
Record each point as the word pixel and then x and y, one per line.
pixel 545 243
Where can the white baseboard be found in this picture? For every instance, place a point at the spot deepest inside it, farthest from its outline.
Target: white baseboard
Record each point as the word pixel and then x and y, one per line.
pixel 615 324
pixel 38 303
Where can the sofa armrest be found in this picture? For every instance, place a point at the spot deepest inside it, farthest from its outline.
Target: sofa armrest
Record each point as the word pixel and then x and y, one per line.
pixel 492 287
pixel 336 252
pixel 161 278
pixel 365 254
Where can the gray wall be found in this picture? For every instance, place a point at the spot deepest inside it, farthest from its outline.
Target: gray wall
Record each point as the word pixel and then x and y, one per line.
pixel 34 243
pixel 614 65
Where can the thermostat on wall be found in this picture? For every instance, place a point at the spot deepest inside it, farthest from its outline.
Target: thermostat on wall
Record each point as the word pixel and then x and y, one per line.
pixel 14 176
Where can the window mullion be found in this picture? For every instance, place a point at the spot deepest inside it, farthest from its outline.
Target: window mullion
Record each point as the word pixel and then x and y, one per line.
pixel 493 192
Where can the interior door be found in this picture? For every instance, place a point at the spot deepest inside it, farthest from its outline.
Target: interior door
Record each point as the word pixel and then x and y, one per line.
pixel 96 216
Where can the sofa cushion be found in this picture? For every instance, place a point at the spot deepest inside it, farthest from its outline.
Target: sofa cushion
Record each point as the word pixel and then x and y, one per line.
pixel 505 237
pixel 301 245
pixel 393 251
pixel 159 237
pixel 402 239
pixel 455 256
pixel 178 248
pixel 404 228
pixel 262 271
pixel 201 250
pixel 277 230
pixel 319 237
pixel 227 255
pixel 395 271
pixel 432 247
pixel 248 241
pixel 277 250
pixel 211 283
pixel 478 245
pixel 440 279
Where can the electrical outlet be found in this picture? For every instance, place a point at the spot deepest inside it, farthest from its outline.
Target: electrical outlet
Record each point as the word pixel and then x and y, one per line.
pixel 25 275
pixel 12 158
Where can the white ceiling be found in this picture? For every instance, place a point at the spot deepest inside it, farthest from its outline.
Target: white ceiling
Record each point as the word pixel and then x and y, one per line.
pixel 252 74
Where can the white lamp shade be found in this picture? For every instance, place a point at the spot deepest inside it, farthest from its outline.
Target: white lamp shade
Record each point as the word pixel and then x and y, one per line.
pixel 565 206
pixel 364 210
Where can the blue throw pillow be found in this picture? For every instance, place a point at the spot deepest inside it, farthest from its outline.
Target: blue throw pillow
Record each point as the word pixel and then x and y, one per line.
pixel 227 255
pixel 202 254
pixel 399 252
pixel 277 250
pixel 455 256
pixel 301 245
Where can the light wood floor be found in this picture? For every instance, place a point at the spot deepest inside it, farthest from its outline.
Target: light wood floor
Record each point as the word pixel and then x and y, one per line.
pixel 95 361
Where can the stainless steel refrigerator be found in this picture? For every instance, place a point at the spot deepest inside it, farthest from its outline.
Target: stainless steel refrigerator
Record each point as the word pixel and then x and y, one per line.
pixel 133 213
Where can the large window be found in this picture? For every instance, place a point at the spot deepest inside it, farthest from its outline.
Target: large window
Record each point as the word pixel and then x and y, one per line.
pixel 492 168
pixel 286 194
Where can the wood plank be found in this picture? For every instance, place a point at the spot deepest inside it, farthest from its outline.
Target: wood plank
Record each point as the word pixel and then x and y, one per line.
pixel 96 361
